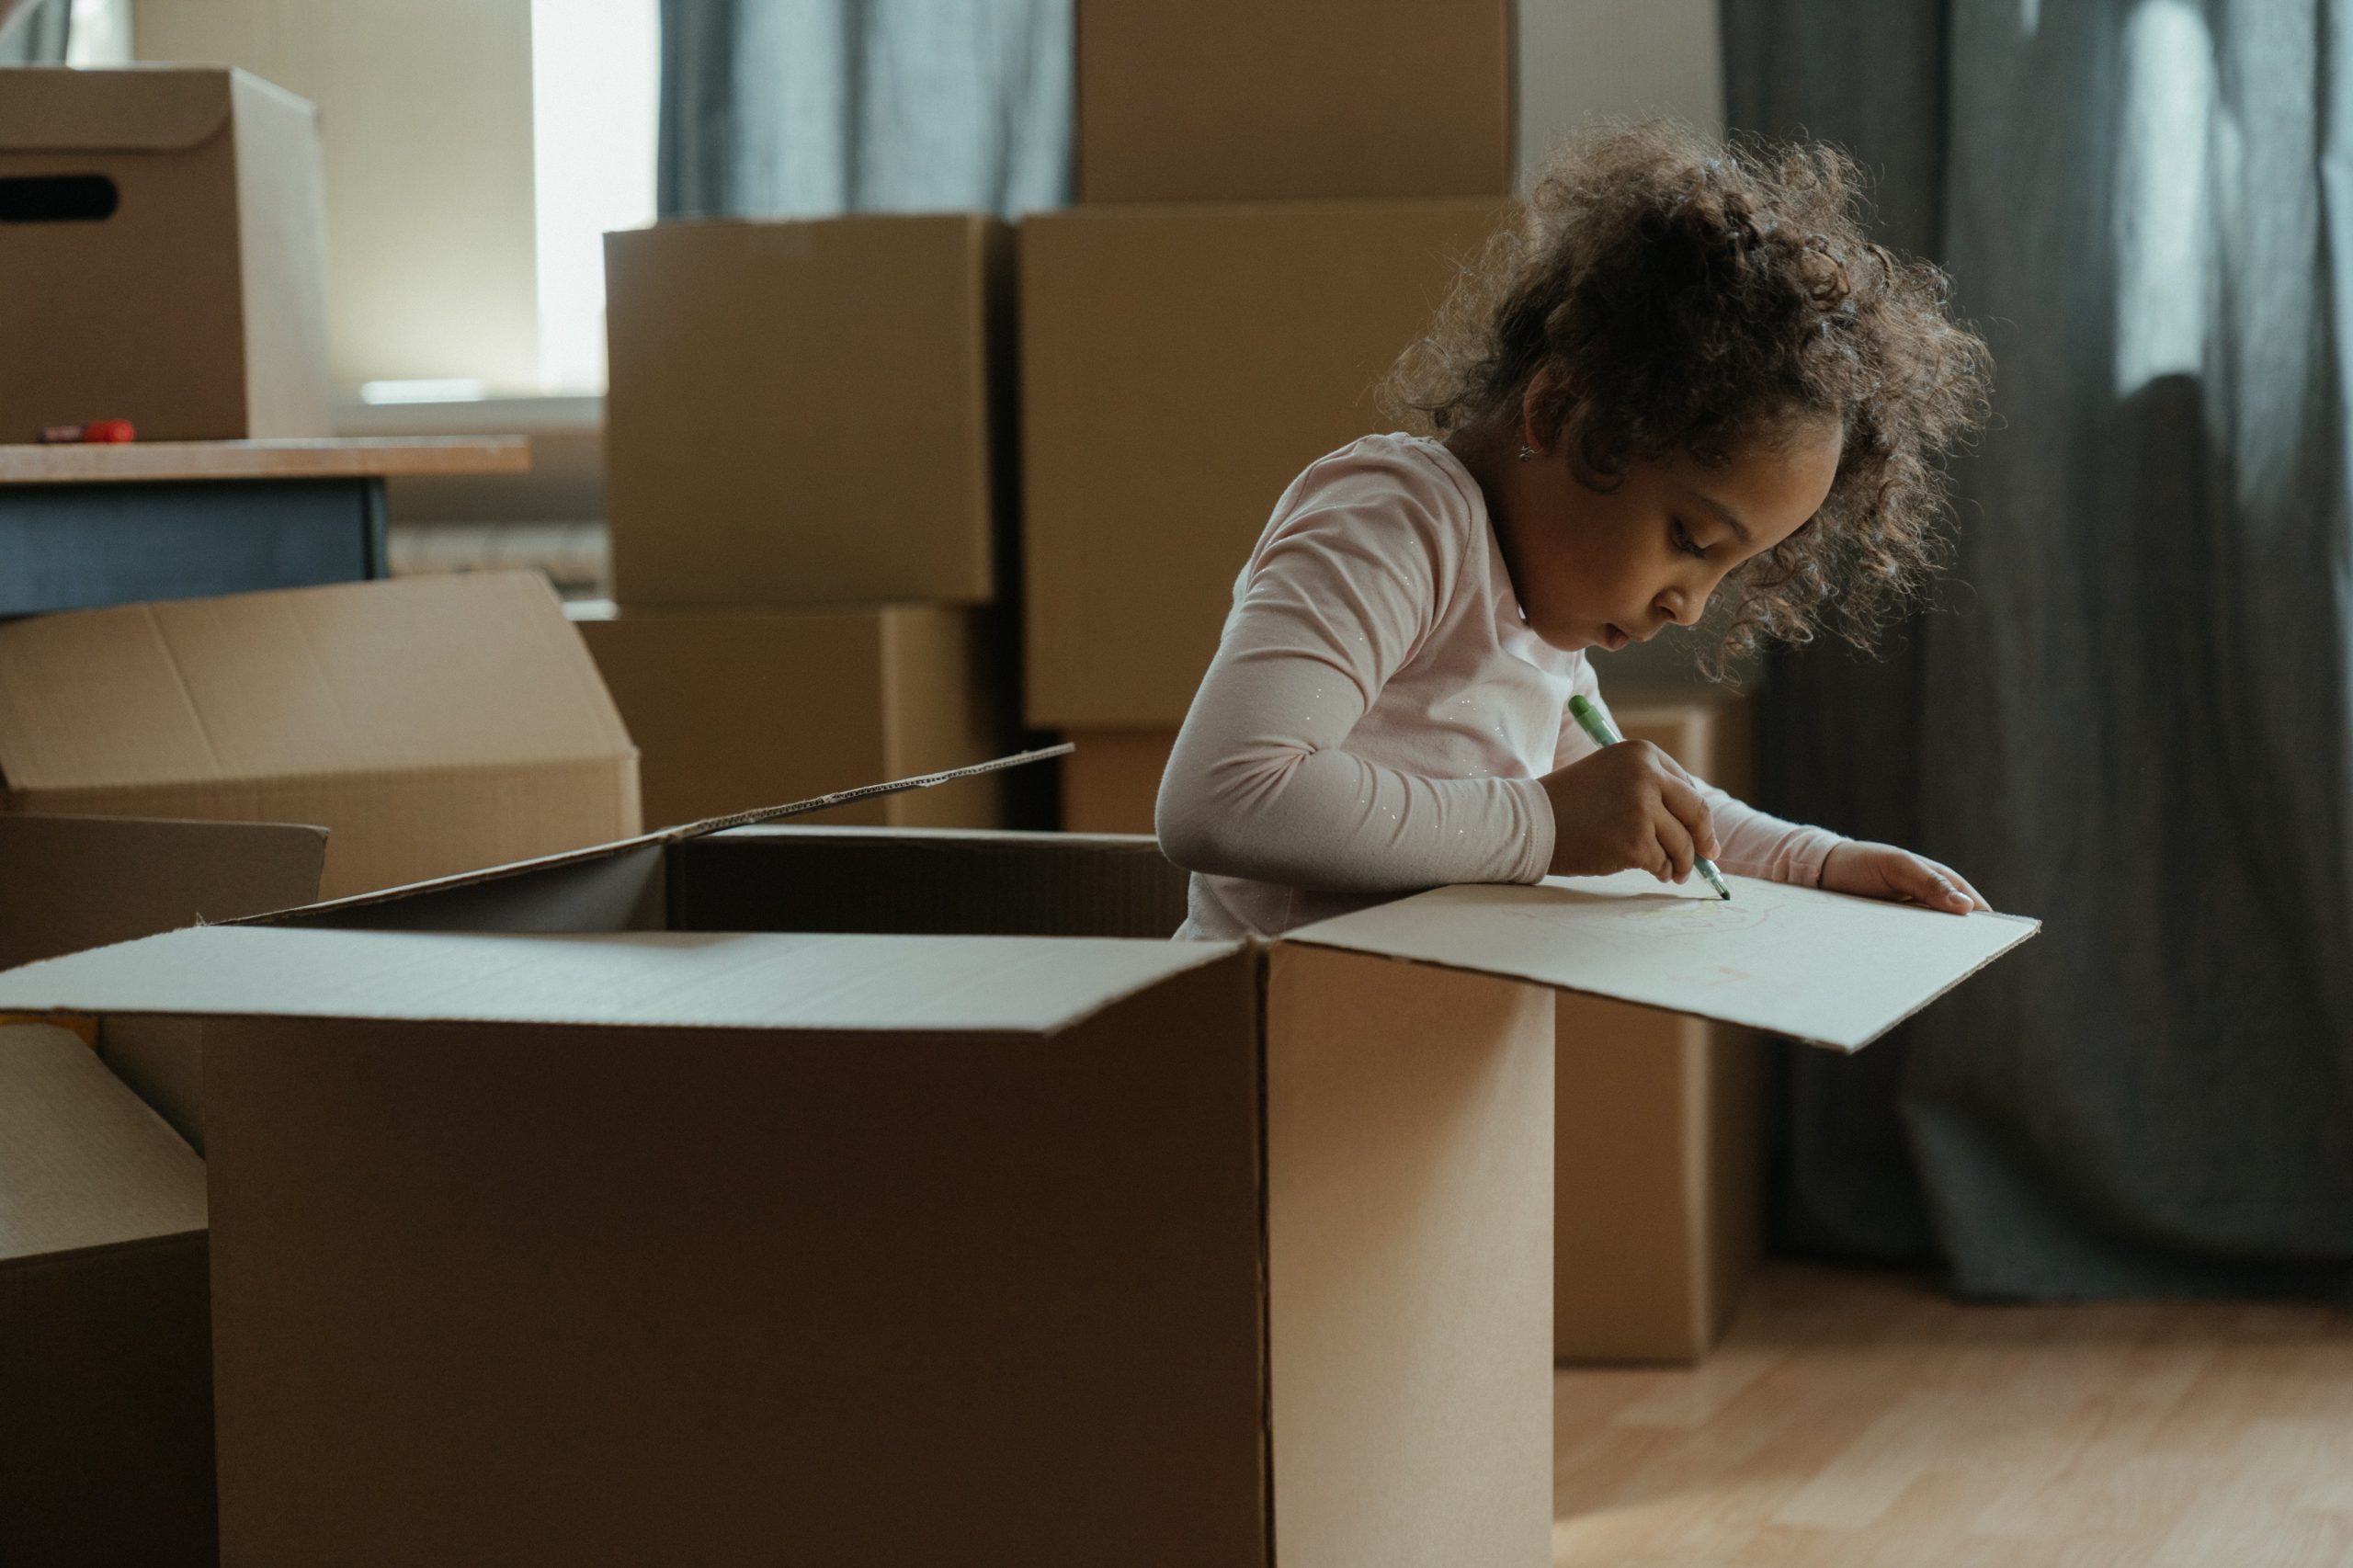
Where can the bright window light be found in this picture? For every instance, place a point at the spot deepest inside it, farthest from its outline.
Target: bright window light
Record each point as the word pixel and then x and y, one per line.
pixel 595 69
pixel 2162 217
pixel 98 33
pixel 428 390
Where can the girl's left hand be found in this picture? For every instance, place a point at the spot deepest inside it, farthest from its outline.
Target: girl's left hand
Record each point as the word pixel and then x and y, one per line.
pixel 1881 870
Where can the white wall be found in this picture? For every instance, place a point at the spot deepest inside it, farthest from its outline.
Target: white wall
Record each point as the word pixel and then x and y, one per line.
pixel 1585 59
pixel 425 108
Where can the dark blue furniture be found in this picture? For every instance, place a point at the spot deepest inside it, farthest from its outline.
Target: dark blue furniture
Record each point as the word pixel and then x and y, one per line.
pixel 90 525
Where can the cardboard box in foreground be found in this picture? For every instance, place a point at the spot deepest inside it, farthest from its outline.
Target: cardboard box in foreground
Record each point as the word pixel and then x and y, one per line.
pixel 433 724
pixel 765 1189
pixel 1179 367
pixel 733 710
pixel 808 412
pixel 1224 100
pixel 106 1375
pixel 166 254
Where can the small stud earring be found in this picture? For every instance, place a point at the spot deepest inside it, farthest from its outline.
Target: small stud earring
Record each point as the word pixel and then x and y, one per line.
pixel 1527 452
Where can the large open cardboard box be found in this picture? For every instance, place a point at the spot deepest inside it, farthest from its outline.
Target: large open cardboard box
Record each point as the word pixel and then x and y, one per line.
pixel 864 1192
pixel 166 254
pixel 808 412
pixel 433 724
pixel 106 1410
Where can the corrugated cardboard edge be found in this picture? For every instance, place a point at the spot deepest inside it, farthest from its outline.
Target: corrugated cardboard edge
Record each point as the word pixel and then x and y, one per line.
pixel 664 835
pixel 1845 1048
pixel 42 992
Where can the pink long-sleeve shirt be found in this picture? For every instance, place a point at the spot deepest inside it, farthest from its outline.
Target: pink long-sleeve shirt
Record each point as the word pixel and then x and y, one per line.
pixel 1378 714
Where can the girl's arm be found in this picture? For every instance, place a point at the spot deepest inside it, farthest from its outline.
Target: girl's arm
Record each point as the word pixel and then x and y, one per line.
pixel 1260 784
pixel 1754 842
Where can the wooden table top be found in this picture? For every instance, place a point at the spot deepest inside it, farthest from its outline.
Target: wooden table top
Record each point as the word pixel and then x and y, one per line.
pixel 344 457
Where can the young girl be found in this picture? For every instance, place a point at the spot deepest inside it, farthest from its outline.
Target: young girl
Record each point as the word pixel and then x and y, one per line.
pixel 1684 368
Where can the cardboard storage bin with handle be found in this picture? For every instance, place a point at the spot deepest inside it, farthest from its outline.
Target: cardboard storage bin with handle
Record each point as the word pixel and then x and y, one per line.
pixel 856 1188
pixel 166 254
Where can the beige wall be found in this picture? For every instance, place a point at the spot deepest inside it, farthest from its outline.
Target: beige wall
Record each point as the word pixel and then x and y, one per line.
pixel 1579 58
pixel 425 110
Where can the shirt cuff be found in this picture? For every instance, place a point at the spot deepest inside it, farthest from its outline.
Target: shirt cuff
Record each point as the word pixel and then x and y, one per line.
pixel 1536 841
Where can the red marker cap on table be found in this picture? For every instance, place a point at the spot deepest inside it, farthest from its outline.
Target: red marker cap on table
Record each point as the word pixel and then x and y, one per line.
pixel 96 430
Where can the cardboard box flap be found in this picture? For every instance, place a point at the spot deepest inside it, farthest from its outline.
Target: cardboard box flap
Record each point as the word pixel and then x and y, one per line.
pixel 60 109
pixel 83 1162
pixel 1820 966
pixel 76 883
pixel 468 670
pixel 676 835
pixel 723 980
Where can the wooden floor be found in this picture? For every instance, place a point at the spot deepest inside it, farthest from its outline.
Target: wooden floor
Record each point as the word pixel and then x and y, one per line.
pixel 1863 1420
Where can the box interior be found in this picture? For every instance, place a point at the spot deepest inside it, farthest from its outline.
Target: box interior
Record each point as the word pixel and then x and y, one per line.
pixel 815 878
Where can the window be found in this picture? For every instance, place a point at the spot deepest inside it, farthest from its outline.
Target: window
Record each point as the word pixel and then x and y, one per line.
pixel 595 66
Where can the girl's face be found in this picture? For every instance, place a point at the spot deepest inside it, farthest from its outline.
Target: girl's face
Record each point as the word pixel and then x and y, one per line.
pixel 1600 569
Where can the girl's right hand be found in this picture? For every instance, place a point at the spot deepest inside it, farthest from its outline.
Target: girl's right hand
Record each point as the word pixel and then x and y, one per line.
pixel 1629 806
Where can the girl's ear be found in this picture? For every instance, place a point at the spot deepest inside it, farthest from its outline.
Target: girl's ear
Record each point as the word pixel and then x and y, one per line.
pixel 1544 409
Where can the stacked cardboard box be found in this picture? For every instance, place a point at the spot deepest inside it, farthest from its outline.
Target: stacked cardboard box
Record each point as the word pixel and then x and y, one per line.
pixel 806 490
pixel 1274 199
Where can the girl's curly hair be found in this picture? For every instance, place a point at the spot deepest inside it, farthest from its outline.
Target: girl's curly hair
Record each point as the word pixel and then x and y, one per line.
pixel 1690 297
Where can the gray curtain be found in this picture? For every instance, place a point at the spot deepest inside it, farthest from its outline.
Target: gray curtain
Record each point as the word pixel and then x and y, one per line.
pixel 812 108
pixel 34 34
pixel 2129 713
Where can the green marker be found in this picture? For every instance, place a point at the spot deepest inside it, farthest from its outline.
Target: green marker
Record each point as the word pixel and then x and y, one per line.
pixel 1595 722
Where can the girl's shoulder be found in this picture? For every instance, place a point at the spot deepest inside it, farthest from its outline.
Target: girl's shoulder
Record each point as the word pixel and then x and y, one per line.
pixel 1401 506
pixel 1421 468
pixel 1410 482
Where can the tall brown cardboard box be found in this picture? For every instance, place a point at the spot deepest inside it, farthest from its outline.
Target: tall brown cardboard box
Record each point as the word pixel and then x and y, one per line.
pixel 733 710
pixel 105 1370
pixel 1111 779
pixel 1179 367
pixel 1658 1210
pixel 757 1197
pixel 1222 100
pixel 431 723
pixel 807 412
pixel 166 253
